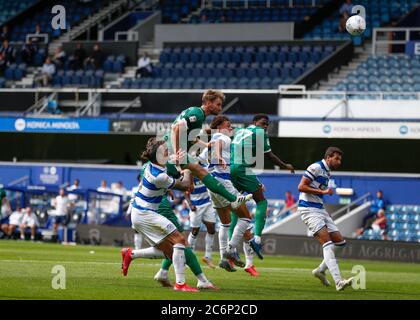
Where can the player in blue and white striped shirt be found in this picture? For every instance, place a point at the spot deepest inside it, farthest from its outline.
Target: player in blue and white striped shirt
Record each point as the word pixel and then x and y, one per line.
pixel 160 232
pixel 312 187
pixel 201 211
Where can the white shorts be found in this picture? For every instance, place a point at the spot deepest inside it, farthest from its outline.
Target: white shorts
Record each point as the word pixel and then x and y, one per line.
pixel 219 201
pixel 205 213
pixel 152 225
pixel 15 219
pixel 316 219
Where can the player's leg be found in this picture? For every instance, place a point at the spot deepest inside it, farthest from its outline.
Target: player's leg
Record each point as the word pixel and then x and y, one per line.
pixel 224 216
pixel 328 247
pixel 155 228
pixel 196 218
pixel 234 221
pixel 209 240
pixel 260 213
pixel 162 275
pixel 215 186
pixel 174 246
pixel 243 224
pixel 138 238
pixel 249 254
pixel 192 237
pixel 339 244
pixel 248 182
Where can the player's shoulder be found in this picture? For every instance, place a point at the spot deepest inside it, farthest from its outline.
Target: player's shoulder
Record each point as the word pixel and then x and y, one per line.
pixel 221 136
pixel 315 168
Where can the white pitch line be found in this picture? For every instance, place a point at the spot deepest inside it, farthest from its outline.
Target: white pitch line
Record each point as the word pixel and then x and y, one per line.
pixel 272 269
pixel 142 264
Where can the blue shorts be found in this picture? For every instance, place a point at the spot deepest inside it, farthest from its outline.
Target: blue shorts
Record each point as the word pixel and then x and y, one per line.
pixel 58 219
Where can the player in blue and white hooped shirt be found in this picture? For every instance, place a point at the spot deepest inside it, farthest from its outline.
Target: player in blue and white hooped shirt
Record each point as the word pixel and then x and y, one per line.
pixel 220 169
pixel 161 233
pixel 312 187
pixel 201 211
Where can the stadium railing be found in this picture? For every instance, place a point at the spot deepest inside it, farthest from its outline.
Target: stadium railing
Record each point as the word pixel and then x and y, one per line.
pixel 385 39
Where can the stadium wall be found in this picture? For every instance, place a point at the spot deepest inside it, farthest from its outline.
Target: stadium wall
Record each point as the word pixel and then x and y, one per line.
pixel 398 188
pixel 223 32
pixel 362 155
pixel 273 245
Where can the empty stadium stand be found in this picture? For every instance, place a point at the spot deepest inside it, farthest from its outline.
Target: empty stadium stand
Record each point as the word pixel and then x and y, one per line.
pixel 386 73
pixel 378 13
pixel 8 8
pixel 233 67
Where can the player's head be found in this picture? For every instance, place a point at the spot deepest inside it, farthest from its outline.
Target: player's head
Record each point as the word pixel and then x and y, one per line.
pixel 379 194
pixel 333 157
pixel 212 102
pixel 156 151
pixel 261 120
pixel 222 124
pixel 62 192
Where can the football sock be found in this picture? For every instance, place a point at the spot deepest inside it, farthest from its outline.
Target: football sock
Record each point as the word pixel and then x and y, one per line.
pixel 166 264
pixel 209 245
pixel 215 186
pixel 330 261
pixel 238 233
pixel 260 216
pixel 148 253
pixel 138 238
pixel 223 239
pixel 249 254
pixel 201 277
pixel 338 249
pixel 192 262
pixel 192 239
pixel 178 258
pixel 233 222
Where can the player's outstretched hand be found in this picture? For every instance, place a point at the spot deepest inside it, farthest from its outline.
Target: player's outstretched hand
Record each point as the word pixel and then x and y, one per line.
pixel 329 191
pixel 290 168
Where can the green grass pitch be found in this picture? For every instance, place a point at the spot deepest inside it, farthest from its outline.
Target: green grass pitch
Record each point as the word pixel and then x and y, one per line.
pixel 26 273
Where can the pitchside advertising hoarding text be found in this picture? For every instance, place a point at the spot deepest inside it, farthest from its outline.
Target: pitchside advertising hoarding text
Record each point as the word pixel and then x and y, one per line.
pixel 54 125
pixel 349 129
pixel 158 127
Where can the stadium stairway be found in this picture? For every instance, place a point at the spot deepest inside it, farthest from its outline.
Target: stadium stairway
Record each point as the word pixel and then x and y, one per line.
pixel 114 6
pixel 360 56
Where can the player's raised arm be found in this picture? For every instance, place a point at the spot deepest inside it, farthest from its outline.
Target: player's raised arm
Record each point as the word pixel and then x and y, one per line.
pixel 176 130
pixel 184 184
pixel 278 162
pixel 305 186
pixel 218 155
pixel 188 199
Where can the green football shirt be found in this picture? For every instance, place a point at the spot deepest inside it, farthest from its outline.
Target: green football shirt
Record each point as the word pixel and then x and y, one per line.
pixel 247 143
pixel 194 117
